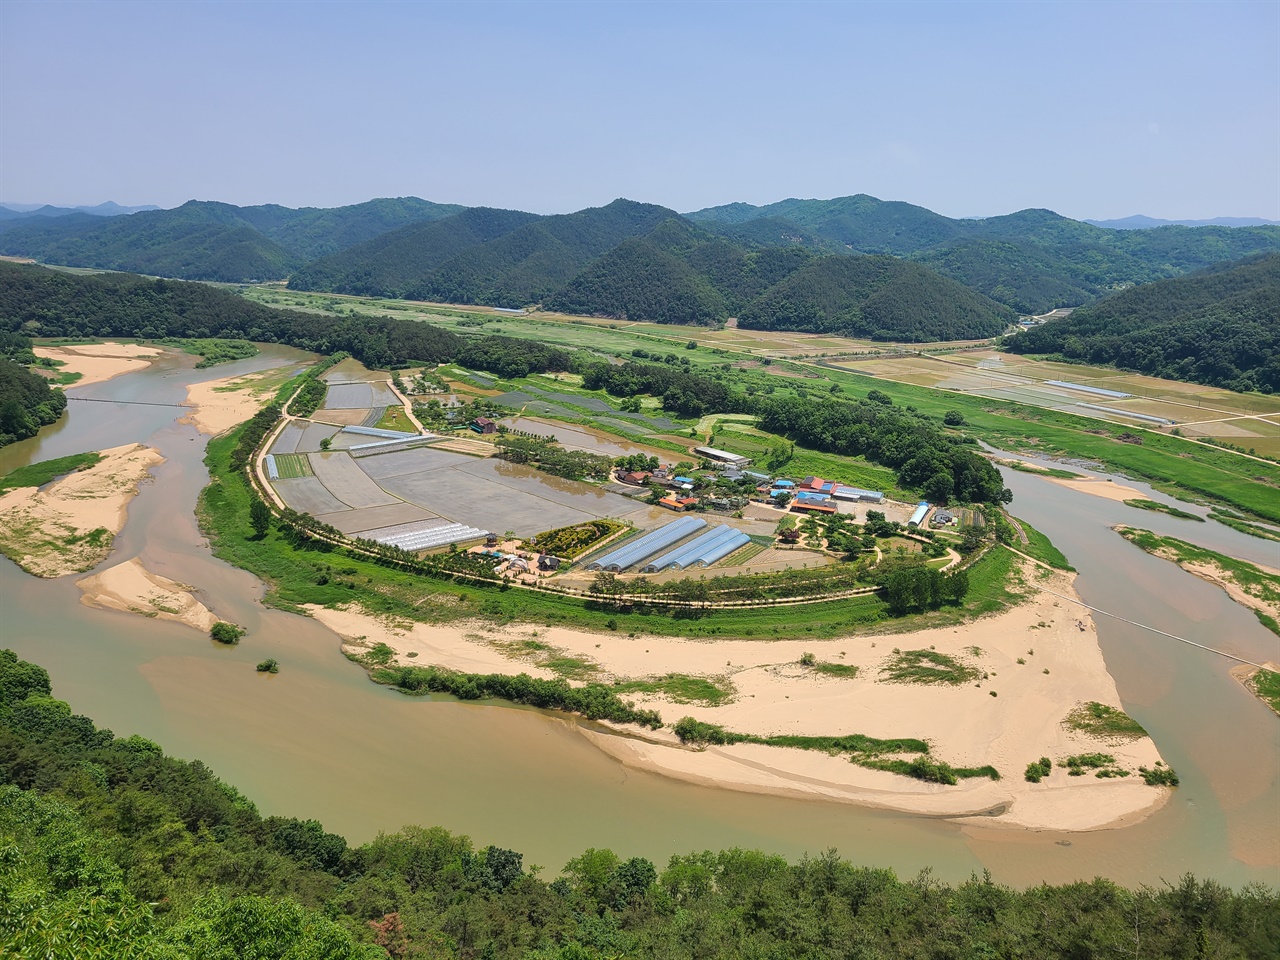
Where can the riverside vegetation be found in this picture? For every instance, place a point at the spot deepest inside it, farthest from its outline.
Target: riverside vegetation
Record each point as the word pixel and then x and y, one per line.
pixel 107 841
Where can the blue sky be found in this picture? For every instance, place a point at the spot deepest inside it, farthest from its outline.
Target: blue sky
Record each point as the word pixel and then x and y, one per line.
pixel 1090 109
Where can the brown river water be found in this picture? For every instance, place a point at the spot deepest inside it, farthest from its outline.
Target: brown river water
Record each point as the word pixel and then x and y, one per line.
pixel 319 740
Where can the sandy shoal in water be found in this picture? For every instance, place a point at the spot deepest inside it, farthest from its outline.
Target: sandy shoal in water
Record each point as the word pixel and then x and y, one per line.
pixel 226 402
pixel 69 525
pixel 965 725
pixel 131 588
pixel 1098 487
pixel 96 362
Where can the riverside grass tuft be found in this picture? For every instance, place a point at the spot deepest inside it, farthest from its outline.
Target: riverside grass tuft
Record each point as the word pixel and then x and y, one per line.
pixel 870 752
pixel 1104 722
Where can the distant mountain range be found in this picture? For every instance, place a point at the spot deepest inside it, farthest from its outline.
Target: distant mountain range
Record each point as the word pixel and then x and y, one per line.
pixel 13 211
pixel 856 265
pixel 1139 222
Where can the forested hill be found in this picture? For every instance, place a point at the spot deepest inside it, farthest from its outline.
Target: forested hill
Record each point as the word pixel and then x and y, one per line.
pixel 403 260
pixel 682 274
pixel 532 262
pixel 882 298
pixel 36 302
pixel 203 240
pixel 1218 327
pixel 1033 260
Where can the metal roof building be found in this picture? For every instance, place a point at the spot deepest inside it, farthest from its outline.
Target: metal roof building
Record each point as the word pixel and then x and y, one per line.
pixel 694 550
pixel 644 547
pixel 921 512
pixel 724 456
pixel 857 493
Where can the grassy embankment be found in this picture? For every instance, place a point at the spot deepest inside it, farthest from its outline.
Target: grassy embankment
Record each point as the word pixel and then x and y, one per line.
pixel 1229 518
pixel 1265 685
pixel 1055 472
pixel 1244 582
pixel 46 471
pixel 1041 548
pixel 212 350
pixel 864 751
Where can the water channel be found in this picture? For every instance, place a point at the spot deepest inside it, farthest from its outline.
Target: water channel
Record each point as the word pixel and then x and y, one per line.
pixel 319 740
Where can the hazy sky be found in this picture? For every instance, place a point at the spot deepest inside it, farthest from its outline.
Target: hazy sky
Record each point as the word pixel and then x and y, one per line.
pixel 1091 109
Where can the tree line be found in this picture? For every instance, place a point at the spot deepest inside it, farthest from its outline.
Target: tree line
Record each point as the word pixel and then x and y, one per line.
pixel 27 401
pixel 36 302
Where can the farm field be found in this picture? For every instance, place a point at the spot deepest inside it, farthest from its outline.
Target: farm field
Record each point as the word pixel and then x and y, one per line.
pixel 1007 415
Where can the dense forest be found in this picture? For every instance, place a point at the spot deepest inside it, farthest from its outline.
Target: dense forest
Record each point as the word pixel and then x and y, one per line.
pixel 27 401
pixel 941 466
pixel 36 302
pixel 1217 327
pixel 1032 260
pixel 203 240
pixel 108 847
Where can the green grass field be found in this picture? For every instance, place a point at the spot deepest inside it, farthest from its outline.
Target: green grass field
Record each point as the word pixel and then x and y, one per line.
pixel 290 466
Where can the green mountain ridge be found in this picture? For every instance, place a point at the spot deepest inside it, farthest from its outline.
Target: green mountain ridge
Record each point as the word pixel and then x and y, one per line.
pixel 399 261
pixel 208 240
pixel 532 262
pixel 1217 327
pixel 1033 260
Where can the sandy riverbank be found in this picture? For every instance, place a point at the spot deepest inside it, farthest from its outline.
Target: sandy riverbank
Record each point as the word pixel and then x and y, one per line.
pixel 774 694
pixel 1095 486
pixel 131 588
pixel 69 526
pixel 96 362
pixel 226 402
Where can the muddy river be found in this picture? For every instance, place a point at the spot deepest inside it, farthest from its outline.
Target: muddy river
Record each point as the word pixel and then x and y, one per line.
pixel 318 740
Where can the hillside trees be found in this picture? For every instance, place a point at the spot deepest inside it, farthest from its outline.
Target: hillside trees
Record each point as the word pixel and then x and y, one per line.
pixel 1216 327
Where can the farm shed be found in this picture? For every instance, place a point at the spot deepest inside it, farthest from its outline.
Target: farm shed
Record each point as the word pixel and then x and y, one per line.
pixel 917 517
pixel 723 456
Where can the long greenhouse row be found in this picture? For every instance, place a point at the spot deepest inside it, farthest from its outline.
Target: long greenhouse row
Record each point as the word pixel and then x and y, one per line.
pixel 702 551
